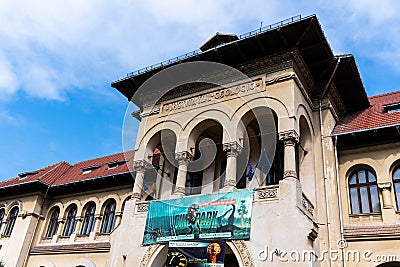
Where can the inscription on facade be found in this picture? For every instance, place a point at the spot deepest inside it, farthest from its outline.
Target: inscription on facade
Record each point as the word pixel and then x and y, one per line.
pixel 216 95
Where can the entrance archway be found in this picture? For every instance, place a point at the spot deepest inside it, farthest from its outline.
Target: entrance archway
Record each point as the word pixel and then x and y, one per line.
pixel 236 255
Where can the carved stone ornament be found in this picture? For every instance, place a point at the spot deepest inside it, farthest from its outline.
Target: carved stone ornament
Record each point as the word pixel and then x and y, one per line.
pixel 230 182
pixel 142 165
pixel 244 252
pixel 183 157
pixel 232 149
pixel 307 205
pixel 289 173
pixel 179 190
pixel 147 256
pixel 142 207
pixel 289 138
pixel 268 193
pixel 136 195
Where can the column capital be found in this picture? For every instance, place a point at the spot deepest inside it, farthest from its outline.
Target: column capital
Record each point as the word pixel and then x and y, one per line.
pixel 183 157
pixel 289 173
pixel 179 190
pixel 289 138
pixel 385 186
pixel 141 165
pixel 232 149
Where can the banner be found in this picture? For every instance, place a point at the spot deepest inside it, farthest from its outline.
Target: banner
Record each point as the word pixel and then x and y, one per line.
pixel 196 254
pixel 222 216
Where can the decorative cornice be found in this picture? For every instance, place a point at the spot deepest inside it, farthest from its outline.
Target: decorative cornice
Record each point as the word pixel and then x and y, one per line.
pixel 289 138
pixel 183 158
pixel 232 149
pixel 142 165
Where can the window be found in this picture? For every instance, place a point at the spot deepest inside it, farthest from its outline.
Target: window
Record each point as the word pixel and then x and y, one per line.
pixel 396 184
pixel 392 108
pixel 12 217
pixel 70 223
pixel 109 218
pixel 364 196
pixel 53 223
pixel 88 221
pixel 193 182
pixel 87 170
pixel 2 213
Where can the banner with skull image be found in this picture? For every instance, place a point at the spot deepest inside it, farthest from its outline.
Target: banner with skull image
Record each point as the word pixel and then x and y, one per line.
pixel 196 254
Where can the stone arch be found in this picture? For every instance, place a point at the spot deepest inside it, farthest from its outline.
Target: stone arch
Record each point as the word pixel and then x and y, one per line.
pixel 11 205
pixel 116 197
pixel 306 159
pixel 302 111
pixel 390 164
pixel 86 205
pixel 106 202
pixel 199 118
pixel 52 206
pixel 68 205
pixel 156 253
pixel 274 104
pixel 141 145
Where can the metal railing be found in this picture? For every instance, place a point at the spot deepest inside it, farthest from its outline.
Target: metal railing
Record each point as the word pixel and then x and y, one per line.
pixel 168 62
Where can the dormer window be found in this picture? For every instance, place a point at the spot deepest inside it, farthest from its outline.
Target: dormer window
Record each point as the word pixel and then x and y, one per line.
pixel 89 169
pixel 26 174
pixel 113 165
pixel 392 108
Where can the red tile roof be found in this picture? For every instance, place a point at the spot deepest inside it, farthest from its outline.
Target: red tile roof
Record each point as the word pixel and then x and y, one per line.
pixel 371 118
pixel 99 166
pixel 64 173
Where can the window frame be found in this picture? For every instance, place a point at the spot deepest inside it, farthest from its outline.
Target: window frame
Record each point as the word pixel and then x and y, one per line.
pixel 2 215
pixel 70 222
pixel 52 228
pixel 368 184
pixel 89 219
pixel 396 180
pixel 12 217
pixel 109 217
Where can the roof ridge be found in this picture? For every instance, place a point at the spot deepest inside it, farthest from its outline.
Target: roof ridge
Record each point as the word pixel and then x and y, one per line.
pixel 110 155
pixel 385 94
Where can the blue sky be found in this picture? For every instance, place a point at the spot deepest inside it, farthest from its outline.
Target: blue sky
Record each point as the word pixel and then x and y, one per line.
pixel 58 58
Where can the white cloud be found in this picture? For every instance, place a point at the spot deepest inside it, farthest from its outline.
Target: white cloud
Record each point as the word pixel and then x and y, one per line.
pixel 54 46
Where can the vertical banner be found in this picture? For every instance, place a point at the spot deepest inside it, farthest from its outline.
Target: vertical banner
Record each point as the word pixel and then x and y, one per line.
pixel 196 254
pixel 222 216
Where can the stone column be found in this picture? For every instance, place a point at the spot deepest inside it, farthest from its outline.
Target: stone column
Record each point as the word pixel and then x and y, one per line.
pixel 78 225
pixel 232 150
pixel 140 168
pixel 118 218
pixel 183 159
pixel 387 200
pixel 97 223
pixel 289 139
pixel 60 227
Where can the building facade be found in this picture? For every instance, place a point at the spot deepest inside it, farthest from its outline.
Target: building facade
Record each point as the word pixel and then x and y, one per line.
pixel 266 143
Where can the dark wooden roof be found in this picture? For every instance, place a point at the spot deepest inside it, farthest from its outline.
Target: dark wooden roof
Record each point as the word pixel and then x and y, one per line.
pixel 302 34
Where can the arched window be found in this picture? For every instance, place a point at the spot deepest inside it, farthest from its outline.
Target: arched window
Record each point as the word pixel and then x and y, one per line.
pixel 364 196
pixel 2 213
pixel 70 223
pixel 53 223
pixel 88 221
pixel 396 184
pixel 12 217
pixel 108 218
